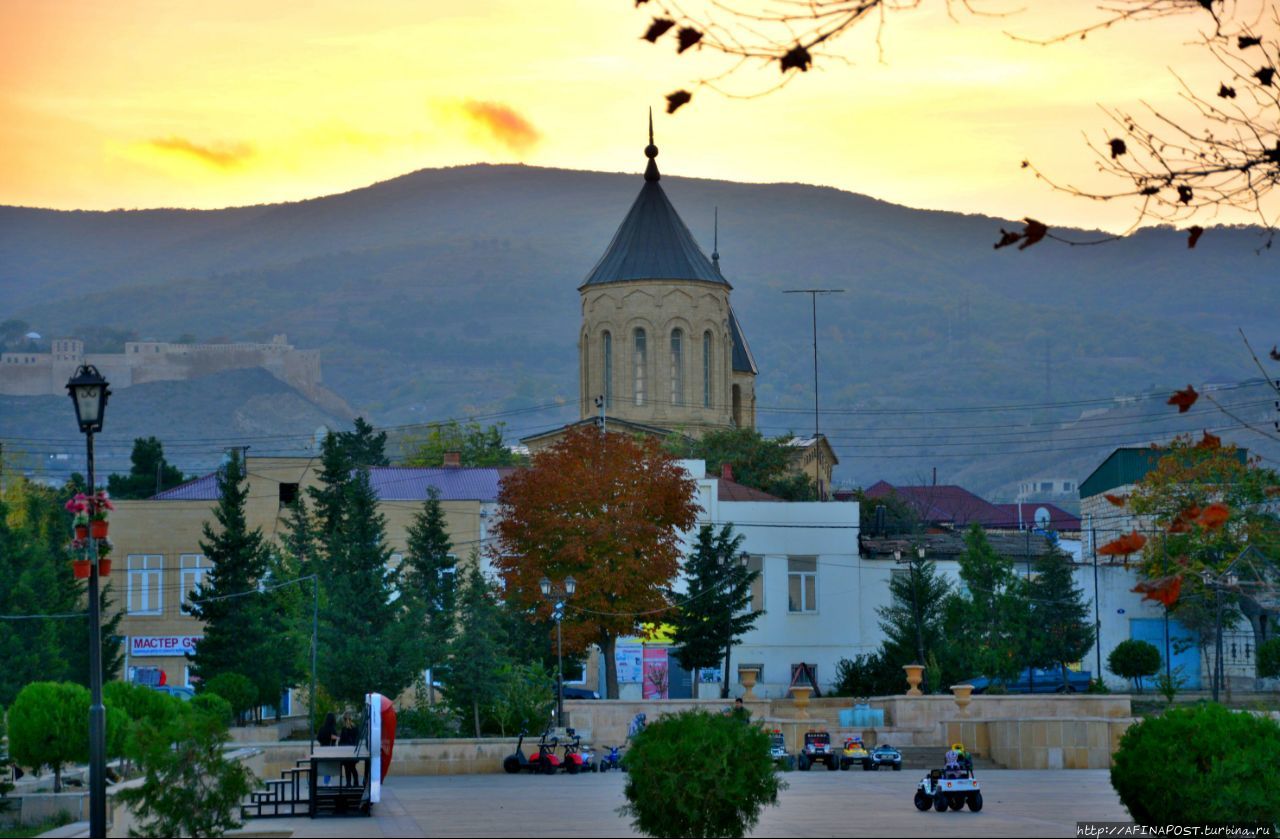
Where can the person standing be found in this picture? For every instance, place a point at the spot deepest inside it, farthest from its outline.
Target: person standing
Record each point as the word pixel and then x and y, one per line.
pixel 349 735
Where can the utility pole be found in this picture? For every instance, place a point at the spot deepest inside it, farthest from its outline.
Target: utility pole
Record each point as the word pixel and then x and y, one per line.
pixel 817 452
pixel 1097 617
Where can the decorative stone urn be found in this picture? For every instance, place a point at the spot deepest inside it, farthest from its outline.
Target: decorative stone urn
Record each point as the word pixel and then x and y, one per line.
pixel 915 673
pixel 748 676
pixel 801 696
pixel 963 697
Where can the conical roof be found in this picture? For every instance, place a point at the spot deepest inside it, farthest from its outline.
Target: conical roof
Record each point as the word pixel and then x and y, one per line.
pixel 652 243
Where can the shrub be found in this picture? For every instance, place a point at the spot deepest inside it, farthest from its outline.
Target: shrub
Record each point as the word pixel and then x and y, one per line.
pixel 1269 659
pixel 1200 765
pixel 1097 686
pixel 422 721
pixel 1170 683
pixel 1134 660
pixel 49 726
pixel 189 788
pixel 699 774
pixel 238 690
pixel 866 675
pixel 524 697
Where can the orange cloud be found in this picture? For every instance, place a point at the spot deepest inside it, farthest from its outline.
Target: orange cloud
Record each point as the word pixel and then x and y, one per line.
pixel 221 155
pixel 503 123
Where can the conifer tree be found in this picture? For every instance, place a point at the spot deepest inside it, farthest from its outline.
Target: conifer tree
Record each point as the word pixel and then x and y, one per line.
pixel 149 472
pixel 913 621
pixel 430 580
pixel 477 651
pixel 235 639
pixel 1063 629
pixel 366 629
pixel 715 612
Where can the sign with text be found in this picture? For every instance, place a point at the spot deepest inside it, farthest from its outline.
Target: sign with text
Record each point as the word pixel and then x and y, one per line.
pixel 172 645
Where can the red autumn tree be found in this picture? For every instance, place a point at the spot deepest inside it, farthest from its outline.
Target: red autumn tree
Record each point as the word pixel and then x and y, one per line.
pixel 607 510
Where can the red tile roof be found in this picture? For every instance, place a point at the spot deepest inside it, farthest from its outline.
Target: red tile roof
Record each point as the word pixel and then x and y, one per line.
pixel 727 490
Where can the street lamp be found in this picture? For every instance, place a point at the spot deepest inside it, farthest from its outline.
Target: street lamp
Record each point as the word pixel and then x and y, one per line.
pixel 915 610
pixel 559 595
pixel 89 393
pixel 1217 582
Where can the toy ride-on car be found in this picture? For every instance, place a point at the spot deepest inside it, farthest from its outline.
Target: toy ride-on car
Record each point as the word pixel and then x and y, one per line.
pixel 778 750
pixel 854 753
pixel 952 786
pixel 817 749
pixel 886 756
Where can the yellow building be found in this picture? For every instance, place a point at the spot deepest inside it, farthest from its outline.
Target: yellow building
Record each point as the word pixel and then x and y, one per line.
pixel 157 559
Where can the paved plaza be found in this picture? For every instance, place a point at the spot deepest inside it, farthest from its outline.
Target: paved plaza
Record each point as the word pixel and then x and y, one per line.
pixel 1017 803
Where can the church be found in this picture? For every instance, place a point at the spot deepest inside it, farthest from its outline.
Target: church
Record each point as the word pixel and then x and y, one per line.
pixel 661 351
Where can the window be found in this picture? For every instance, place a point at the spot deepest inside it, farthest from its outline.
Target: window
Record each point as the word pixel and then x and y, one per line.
pixel 288 494
pixel 607 339
pixel 756 563
pixel 1046 486
pixel 638 362
pixel 191 571
pixel 802 583
pixel 146 584
pixel 706 369
pixel 737 406
pixel 677 367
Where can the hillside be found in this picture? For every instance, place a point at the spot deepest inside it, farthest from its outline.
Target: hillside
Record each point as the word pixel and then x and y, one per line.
pixel 449 292
pixel 197 420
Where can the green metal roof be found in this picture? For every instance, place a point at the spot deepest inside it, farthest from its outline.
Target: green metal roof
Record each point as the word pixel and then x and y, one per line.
pixel 1128 466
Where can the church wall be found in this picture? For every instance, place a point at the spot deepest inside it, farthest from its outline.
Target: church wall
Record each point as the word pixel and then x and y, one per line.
pixel 658 307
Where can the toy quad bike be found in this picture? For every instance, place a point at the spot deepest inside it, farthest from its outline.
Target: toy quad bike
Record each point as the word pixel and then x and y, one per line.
pixel 574 761
pixel 611 759
pixel 546 761
pixel 854 752
pixel 817 749
pixel 952 786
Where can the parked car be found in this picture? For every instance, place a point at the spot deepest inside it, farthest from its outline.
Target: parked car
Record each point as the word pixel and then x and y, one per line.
pixel 1047 680
pixel 580 693
pixel 183 693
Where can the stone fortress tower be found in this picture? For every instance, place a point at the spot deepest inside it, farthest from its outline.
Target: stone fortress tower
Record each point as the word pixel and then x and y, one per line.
pixel 660 345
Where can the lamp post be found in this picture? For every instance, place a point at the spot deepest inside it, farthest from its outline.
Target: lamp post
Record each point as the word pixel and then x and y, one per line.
pixel 89 393
pixel 559 595
pixel 915 608
pixel 1217 582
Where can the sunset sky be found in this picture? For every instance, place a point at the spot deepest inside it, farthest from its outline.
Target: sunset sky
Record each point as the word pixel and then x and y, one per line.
pixel 146 103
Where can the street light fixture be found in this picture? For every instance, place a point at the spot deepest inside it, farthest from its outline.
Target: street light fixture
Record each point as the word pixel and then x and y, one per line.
pixel 89 393
pixel 559 595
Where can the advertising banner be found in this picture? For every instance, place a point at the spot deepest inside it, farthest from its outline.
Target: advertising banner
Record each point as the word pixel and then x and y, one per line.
pixel 170 645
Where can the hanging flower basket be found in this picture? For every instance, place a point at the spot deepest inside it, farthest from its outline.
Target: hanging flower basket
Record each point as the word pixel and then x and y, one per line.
pixel 104 566
pixel 82 531
pixel 98 528
pixel 80 568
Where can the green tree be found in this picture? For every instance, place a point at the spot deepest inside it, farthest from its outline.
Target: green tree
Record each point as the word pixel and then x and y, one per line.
pixel 866 675
pixel 1134 660
pixel 1269 659
pixel 523 697
pixel 367 631
pixel 987 618
pixel 35 579
pixel 288 602
pixel 478 446
pixel 477 651
pixel 239 691
pixel 1063 629
pixel 757 461
pixel 189 787
pixel 699 774
pixel 149 473
pixel 49 727
pixel 914 620
pixel 430 580
pixel 715 611
pixel 900 518
pixel 235 614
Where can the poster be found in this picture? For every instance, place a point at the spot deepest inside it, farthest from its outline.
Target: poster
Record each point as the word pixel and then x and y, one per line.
pixel 630 663
pixel 656 674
